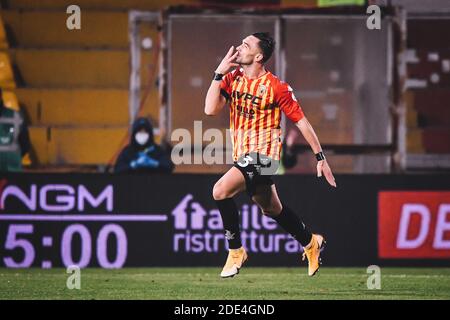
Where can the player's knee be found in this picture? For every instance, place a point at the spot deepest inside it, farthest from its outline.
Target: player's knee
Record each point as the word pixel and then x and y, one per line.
pixel 271 210
pixel 219 192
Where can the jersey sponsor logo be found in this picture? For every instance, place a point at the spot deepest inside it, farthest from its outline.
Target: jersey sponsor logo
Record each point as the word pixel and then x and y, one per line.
pixel 246 112
pixel 246 96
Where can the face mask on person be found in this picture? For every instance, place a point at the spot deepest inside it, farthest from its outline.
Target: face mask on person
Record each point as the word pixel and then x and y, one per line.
pixel 142 138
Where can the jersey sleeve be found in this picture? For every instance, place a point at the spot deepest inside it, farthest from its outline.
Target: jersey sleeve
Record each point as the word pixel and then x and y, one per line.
pixel 288 102
pixel 225 85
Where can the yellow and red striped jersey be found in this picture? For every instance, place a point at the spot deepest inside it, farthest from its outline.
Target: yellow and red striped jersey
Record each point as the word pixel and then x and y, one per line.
pixel 255 112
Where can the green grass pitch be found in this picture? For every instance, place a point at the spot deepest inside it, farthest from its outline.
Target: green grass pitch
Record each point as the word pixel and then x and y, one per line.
pixel 205 283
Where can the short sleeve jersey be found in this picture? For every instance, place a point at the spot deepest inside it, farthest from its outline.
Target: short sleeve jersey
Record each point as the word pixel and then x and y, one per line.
pixel 255 112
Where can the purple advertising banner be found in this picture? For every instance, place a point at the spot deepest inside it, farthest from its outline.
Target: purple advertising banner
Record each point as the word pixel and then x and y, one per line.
pixel 116 221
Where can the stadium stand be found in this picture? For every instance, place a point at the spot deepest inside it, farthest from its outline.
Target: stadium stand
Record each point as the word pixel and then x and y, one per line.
pixel 72 85
pixel 6 72
pixel 428 102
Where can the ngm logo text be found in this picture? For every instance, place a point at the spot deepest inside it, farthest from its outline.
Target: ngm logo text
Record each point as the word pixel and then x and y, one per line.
pixel 55 197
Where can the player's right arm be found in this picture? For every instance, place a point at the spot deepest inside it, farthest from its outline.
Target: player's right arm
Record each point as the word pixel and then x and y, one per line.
pixel 214 101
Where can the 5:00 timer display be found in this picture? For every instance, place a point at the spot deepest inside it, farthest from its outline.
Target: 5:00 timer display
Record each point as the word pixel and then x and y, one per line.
pixel 77 244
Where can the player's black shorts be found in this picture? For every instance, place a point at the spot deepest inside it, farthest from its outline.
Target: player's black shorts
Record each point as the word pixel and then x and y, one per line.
pixel 257 170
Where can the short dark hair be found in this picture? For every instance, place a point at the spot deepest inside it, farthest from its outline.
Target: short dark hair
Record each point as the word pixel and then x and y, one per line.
pixel 266 44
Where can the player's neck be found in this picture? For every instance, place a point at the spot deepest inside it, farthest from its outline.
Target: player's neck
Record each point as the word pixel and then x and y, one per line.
pixel 253 71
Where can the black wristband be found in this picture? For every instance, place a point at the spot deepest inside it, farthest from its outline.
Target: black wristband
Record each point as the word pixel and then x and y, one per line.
pixel 320 156
pixel 218 76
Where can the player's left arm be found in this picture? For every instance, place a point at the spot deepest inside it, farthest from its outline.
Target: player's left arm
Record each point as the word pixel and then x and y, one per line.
pixel 291 108
pixel 310 136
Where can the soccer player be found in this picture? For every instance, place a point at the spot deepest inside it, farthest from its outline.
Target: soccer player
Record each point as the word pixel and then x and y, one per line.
pixel 257 98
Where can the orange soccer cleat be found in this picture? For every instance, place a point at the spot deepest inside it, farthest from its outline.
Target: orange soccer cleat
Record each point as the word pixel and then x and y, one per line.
pixel 312 252
pixel 235 260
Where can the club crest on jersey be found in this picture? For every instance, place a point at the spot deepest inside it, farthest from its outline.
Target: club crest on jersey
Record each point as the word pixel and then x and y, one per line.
pixel 261 89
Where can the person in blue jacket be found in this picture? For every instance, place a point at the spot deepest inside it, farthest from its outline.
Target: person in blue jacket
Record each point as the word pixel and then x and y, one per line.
pixel 142 154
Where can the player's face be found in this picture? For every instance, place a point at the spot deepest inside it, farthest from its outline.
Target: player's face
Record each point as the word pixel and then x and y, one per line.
pixel 249 51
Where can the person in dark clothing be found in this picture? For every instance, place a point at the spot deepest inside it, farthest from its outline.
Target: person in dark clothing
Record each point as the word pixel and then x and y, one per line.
pixel 142 154
pixel 14 138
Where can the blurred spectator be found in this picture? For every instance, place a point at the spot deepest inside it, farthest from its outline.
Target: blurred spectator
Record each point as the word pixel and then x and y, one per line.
pixel 143 154
pixel 14 138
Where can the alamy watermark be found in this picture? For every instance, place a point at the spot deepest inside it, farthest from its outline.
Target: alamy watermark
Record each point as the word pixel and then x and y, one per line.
pixel 374 20
pixel 374 280
pixel 213 147
pixel 73 22
pixel 74 280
